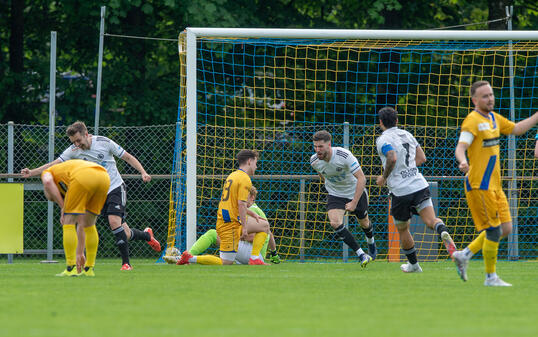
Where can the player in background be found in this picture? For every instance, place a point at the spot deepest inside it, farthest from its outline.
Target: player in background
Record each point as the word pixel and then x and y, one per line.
pixel 479 139
pixel 244 249
pixel 400 154
pixel 80 189
pixel 345 183
pixel 232 216
pixel 101 150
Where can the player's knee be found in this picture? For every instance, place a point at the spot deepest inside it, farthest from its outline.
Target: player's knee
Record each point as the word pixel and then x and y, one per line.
pixel 402 226
pixel 494 234
pixel 506 229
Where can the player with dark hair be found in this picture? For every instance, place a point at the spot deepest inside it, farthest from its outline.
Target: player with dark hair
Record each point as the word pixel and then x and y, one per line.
pixel 345 184
pixel 101 150
pixel 480 134
pixel 400 154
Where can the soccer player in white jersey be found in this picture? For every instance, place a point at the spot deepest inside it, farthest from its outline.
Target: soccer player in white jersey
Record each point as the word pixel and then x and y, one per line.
pixel 101 150
pixel 345 183
pixel 409 192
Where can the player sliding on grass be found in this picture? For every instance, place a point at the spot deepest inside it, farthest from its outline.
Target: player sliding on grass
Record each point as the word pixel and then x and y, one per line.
pixel 480 133
pixel 400 154
pixel 345 183
pixel 244 249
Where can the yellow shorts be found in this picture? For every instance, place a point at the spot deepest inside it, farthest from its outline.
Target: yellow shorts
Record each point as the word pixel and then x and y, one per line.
pixel 87 192
pixel 488 208
pixel 229 234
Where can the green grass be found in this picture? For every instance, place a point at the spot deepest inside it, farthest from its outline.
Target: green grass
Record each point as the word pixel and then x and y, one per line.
pixel 289 299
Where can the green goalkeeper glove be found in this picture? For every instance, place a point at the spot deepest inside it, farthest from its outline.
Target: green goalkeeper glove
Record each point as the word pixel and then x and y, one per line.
pixel 274 257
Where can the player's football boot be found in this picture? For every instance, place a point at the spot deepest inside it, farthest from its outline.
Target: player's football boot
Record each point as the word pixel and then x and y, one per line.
pixel 155 245
pixel 184 259
pixel 126 266
pixel 275 259
pixel 88 271
pixel 170 259
pixel 449 243
pixel 410 268
pixel 372 250
pixel 365 259
pixel 496 282
pixel 69 271
pixel 256 262
pixel 461 264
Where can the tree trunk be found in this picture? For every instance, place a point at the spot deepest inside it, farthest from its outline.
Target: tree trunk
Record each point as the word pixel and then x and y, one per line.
pixel 16 45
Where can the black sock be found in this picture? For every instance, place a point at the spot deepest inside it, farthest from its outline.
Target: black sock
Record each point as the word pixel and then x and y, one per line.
pixel 123 245
pixel 69 268
pixel 344 234
pixel 272 253
pixel 137 234
pixel 369 232
pixel 440 228
pixel 411 254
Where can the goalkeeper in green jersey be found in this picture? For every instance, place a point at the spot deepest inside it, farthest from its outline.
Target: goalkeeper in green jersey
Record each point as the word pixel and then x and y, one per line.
pixel 210 238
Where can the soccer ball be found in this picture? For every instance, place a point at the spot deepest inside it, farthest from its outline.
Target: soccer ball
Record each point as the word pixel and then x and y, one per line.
pixel 172 251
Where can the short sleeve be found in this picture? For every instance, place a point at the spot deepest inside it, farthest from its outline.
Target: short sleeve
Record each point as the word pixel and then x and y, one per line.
pixel 243 190
pixel 353 163
pixel 384 146
pixel 67 154
pixel 115 149
pixel 506 126
pixel 469 125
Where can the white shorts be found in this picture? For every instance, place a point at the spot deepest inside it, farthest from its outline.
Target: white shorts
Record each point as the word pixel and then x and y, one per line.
pixel 244 250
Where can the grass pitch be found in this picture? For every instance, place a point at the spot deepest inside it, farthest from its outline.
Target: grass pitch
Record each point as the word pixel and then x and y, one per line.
pixel 290 299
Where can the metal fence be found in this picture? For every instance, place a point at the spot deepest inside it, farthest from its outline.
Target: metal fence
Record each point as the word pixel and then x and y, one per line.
pixel 147 203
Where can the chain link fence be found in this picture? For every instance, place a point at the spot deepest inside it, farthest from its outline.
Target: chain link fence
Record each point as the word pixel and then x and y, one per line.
pixel 147 203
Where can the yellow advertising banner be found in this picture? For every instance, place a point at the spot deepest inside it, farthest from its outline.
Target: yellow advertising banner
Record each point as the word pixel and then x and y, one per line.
pixel 11 219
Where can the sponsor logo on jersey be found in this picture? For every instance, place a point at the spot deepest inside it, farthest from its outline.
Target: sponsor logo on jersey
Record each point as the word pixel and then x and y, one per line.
pixel 490 142
pixel 483 126
pixel 338 169
pixel 101 156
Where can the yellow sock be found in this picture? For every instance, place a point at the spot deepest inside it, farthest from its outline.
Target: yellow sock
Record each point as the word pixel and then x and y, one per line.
pixel 489 251
pixel 257 243
pixel 477 243
pixel 92 241
pixel 208 259
pixel 70 244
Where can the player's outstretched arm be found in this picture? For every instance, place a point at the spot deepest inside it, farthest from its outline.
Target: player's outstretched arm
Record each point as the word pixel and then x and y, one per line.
pixel 131 160
pixel 27 173
pixel 525 125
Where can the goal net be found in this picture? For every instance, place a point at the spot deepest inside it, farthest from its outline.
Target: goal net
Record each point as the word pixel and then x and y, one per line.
pixel 271 92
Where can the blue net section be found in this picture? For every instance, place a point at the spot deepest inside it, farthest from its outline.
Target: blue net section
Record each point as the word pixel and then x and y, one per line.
pixel 272 95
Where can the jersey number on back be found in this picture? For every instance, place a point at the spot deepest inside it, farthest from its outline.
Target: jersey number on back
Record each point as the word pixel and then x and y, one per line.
pixel 226 190
pixel 406 147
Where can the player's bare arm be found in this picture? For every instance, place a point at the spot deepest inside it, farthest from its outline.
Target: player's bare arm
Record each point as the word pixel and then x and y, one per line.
pixel 242 207
pixel 389 166
pixel 420 156
pixel 536 148
pixel 525 125
pixel 27 173
pixel 461 148
pixel 131 160
pixel 254 215
pixel 52 192
pixel 359 189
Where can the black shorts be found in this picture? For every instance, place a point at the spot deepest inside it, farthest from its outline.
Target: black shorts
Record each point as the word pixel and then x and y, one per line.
pixel 402 208
pixel 361 211
pixel 115 202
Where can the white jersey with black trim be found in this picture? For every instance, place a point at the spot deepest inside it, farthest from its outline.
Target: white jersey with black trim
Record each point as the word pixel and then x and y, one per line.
pixel 102 152
pixel 405 178
pixel 338 172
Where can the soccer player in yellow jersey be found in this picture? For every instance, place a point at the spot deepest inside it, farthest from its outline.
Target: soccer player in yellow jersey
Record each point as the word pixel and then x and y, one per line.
pixel 479 137
pixel 232 214
pixel 80 188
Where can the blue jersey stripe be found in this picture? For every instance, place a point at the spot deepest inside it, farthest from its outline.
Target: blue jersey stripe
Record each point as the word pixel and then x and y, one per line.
pixel 484 184
pixel 386 148
pixel 226 215
pixel 467 184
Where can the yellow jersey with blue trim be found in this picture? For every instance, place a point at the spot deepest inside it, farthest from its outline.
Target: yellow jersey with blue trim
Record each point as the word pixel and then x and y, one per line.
pixel 236 187
pixel 482 133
